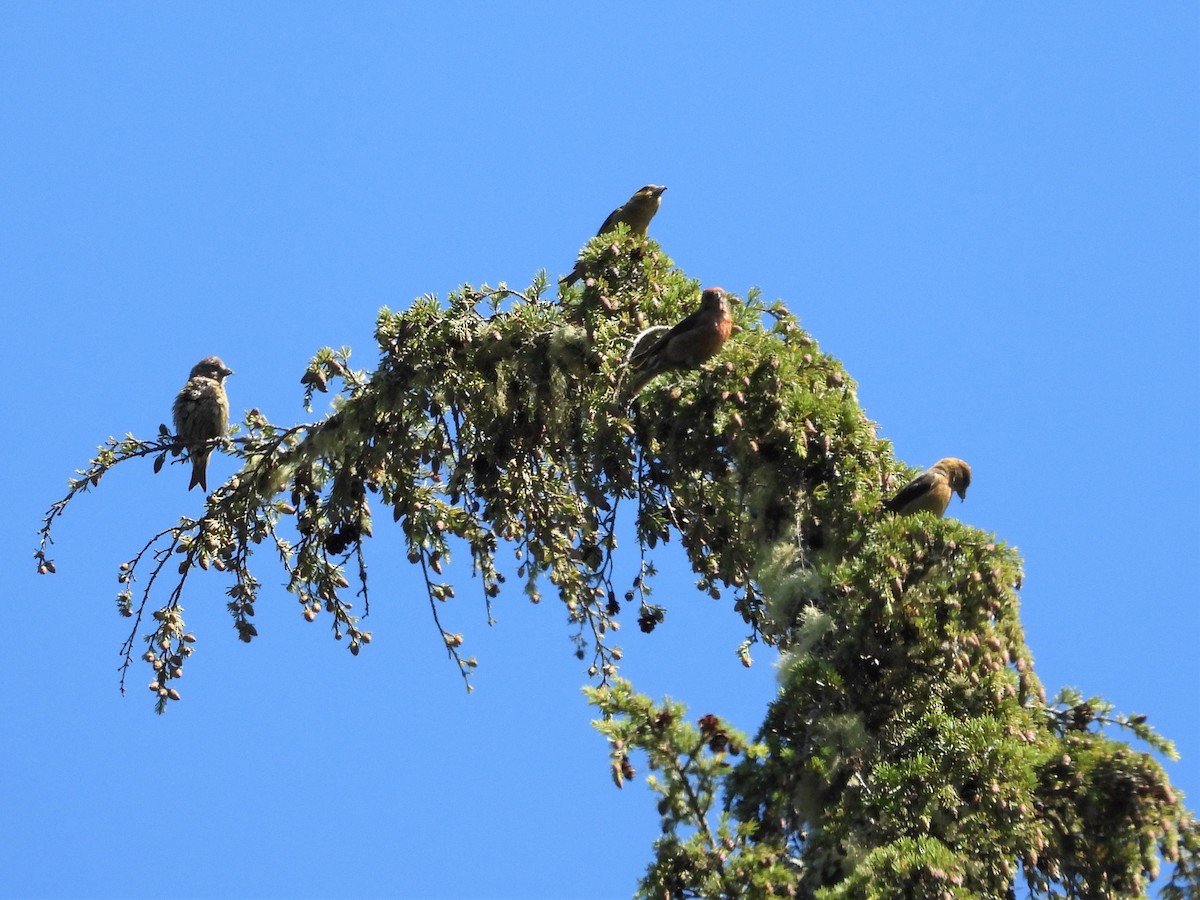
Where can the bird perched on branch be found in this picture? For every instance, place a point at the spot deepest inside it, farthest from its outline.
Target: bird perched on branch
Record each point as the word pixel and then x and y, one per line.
pixel 685 346
pixel 202 414
pixel 930 491
pixel 636 213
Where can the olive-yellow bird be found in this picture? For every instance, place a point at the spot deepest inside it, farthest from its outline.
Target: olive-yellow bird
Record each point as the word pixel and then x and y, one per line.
pixel 930 491
pixel 636 213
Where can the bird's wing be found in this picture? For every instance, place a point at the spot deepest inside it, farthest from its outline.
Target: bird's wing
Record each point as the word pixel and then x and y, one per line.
pixel 611 222
pixel 912 491
pixel 686 325
pixel 645 343
pixel 642 358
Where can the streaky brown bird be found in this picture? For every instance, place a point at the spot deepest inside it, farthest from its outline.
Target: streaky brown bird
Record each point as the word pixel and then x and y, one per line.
pixel 636 213
pixel 930 491
pixel 687 345
pixel 202 413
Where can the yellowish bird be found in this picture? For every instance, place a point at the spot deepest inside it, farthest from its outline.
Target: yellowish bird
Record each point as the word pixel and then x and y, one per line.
pixel 930 491
pixel 636 213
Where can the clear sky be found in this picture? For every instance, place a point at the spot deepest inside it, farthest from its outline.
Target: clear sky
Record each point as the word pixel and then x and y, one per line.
pixel 990 214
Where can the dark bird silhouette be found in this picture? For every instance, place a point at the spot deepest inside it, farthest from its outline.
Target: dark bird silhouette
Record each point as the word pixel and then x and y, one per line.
pixel 687 345
pixel 201 414
pixel 636 213
pixel 930 491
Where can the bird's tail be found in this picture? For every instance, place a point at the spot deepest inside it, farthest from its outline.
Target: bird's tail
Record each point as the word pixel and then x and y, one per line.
pixel 636 381
pixel 200 470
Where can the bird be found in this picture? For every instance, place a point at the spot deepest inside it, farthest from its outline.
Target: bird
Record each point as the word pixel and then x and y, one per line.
pixel 636 212
pixel 930 491
pixel 202 413
pixel 687 345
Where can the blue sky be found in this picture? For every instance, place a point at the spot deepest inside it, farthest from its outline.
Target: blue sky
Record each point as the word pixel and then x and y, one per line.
pixel 991 215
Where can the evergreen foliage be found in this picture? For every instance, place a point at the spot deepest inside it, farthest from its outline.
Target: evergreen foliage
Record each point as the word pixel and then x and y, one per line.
pixel 911 751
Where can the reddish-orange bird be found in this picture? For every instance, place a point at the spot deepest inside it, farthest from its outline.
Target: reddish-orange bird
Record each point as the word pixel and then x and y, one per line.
pixel 930 491
pixel 688 345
